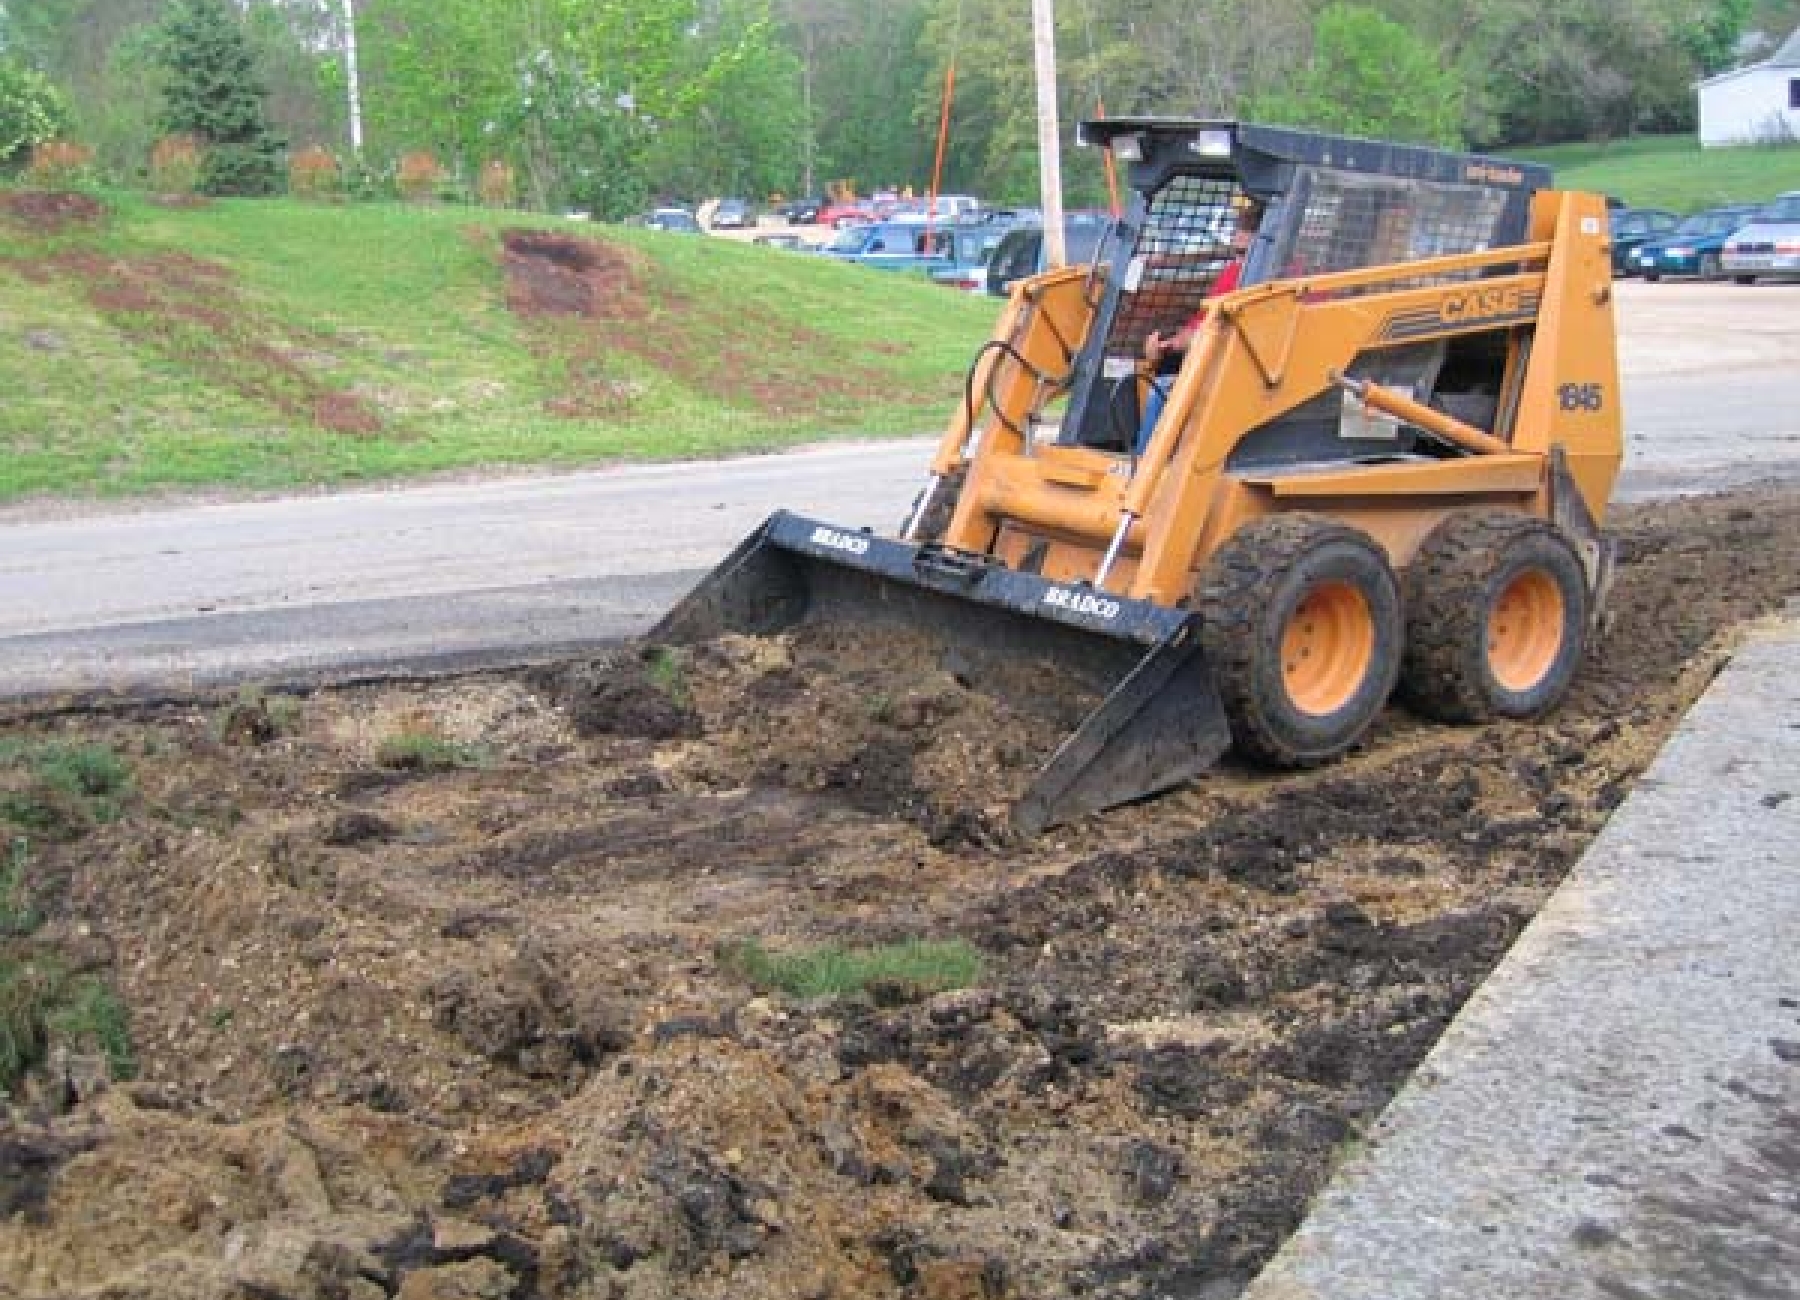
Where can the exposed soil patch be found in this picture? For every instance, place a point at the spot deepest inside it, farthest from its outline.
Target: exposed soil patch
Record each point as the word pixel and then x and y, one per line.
pixel 40 212
pixel 459 1027
pixel 588 298
pixel 189 308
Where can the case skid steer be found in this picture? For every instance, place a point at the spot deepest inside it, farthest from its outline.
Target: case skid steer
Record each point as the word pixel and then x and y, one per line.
pixel 1384 462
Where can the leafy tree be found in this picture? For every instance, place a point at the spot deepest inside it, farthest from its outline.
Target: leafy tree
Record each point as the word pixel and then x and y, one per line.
pixel 214 92
pixel 731 126
pixel 31 111
pixel 440 74
pixel 582 143
pixel 859 64
pixel 1369 76
pixel 96 54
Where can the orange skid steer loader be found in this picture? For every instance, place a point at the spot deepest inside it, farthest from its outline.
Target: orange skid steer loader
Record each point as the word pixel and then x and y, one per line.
pixel 1384 460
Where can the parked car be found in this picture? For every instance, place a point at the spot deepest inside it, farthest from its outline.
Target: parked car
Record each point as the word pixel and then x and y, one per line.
pixel 849 213
pixel 1633 227
pixel 1020 252
pixel 972 246
pixel 1768 246
pixel 892 245
pixel 803 211
pixel 731 214
pixel 677 220
pixel 1695 246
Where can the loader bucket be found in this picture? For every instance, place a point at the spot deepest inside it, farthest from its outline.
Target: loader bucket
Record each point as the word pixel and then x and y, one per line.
pixel 1157 721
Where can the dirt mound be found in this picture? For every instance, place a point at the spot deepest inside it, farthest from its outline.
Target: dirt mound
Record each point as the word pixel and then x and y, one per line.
pixel 49 212
pixel 588 302
pixel 428 997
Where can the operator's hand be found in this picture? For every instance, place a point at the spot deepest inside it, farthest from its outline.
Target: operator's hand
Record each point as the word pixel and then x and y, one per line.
pixel 1156 347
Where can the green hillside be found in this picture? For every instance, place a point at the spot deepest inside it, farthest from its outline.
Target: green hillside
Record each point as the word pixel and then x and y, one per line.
pixel 1674 171
pixel 265 345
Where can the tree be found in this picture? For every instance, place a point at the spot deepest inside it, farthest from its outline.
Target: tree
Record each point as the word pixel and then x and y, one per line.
pixel 31 111
pixel 1369 76
pixel 440 75
pixel 731 126
pixel 214 93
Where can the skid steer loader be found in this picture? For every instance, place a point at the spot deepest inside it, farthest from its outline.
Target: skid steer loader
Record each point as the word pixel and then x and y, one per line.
pixel 1385 460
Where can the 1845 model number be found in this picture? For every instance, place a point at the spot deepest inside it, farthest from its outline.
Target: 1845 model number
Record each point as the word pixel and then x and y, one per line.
pixel 1581 397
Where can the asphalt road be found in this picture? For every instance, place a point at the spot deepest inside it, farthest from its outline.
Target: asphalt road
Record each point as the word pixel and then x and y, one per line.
pixel 208 593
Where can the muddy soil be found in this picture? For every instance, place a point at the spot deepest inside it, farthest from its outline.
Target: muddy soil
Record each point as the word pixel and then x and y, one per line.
pixel 428 997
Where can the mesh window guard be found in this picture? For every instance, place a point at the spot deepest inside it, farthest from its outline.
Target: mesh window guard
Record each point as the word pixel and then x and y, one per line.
pixel 1352 221
pixel 1184 244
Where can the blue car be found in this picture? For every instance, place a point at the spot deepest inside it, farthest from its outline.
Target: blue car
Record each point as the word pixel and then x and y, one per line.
pixel 892 246
pixel 1695 246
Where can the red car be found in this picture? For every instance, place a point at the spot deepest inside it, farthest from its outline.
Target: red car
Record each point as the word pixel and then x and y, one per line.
pixel 849 213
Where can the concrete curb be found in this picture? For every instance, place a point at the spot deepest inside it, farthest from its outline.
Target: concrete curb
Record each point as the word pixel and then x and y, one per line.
pixel 1616 1112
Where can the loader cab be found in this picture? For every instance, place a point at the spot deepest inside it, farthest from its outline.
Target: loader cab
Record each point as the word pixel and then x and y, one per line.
pixel 1330 203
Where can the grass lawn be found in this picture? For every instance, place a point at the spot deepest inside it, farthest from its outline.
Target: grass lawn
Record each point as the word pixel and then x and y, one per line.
pixel 1673 171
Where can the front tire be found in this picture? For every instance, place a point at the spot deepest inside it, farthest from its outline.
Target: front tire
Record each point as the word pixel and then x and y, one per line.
pixel 1302 628
pixel 1497 617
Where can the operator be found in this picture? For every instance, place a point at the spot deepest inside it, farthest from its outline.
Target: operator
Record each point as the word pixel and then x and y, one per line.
pixel 1164 351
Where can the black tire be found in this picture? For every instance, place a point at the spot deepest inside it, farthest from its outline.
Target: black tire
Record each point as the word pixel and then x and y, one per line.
pixel 1651 277
pixel 1496 622
pixel 1743 279
pixel 1302 629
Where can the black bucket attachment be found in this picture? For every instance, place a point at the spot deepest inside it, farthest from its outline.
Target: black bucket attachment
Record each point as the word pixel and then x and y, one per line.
pixel 1159 720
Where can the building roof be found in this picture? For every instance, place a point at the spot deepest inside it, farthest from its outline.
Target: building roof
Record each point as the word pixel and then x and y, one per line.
pixel 1787 55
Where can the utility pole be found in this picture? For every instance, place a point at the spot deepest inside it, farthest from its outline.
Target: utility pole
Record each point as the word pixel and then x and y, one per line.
pixel 356 132
pixel 1043 43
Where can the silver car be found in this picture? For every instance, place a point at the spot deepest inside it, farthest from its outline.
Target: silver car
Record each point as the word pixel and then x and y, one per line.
pixel 1768 246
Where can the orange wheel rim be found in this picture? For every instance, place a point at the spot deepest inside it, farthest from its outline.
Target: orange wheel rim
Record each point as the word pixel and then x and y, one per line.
pixel 1525 631
pixel 1326 648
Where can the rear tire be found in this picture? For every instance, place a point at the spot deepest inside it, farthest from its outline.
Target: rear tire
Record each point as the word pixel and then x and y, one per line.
pixel 1497 616
pixel 1743 279
pixel 1302 628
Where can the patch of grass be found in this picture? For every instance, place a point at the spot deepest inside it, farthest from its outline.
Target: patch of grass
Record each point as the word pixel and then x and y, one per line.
pixel 256 717
pixel 425 751
pixel 24 1036
pixel 89 1016
pixel 1673 171
pixel 18 917
pixel 68 787
pixel 665 668
pixel 888 973
pixel 40 1005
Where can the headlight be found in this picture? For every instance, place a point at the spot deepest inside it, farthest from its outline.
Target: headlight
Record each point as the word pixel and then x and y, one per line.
pixel 1213 144
pixel 1128 148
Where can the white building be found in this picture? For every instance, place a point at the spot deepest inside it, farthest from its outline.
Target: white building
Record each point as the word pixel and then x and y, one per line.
pixel 1758 104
